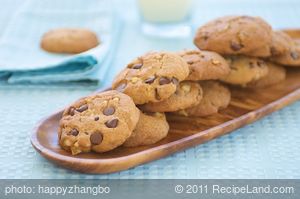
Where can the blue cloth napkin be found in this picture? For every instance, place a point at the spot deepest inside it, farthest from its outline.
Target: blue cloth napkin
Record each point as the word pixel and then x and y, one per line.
pixel 23 61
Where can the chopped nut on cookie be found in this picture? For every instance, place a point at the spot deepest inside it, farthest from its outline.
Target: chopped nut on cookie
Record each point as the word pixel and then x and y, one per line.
pixel 152 77
pixel 205 65
pixel 99 122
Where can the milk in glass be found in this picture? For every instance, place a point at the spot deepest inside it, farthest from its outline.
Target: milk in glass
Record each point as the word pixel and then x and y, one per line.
pixel 164 11
pixel 165 18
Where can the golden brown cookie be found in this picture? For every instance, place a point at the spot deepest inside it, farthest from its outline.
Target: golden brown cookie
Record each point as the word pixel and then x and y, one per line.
pixel 215 97
pixel 245 70
pixel 291 57
pixel 188 94
pixel 235 35
pixel 205 65
pixel 152 77
pixel 99 122
pixel 151 128
pixel 281 43
pixel 67 40
pixel 275 75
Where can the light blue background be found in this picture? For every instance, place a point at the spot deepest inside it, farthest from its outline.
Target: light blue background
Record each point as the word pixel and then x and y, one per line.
pixel 269 148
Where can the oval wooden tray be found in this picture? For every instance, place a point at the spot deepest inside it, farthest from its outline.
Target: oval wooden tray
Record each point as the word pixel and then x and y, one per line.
pixel 245 107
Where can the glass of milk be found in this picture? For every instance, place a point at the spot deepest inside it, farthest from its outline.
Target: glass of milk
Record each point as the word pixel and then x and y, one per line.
pixel 165 18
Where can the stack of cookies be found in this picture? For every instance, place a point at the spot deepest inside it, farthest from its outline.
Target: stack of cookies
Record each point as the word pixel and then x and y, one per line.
pixel 255 53
pixel 242 51
pixel 179 83
pixel 134 113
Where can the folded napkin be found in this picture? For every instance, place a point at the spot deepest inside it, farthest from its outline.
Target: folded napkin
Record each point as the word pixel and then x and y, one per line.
pixel 23 61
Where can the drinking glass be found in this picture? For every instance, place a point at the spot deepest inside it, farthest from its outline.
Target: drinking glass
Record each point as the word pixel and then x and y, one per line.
pixel 165 18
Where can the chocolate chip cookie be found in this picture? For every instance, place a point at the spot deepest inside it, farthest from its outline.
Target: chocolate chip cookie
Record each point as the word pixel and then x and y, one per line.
pixel 151 128
pixel 99 122
pixel 188 94
pixel 291 57
pixel 152 77
pixel 67 40
pixel 245 70
pixel 205 65
pixel 233 35
pixel 275 75
pixel 215 97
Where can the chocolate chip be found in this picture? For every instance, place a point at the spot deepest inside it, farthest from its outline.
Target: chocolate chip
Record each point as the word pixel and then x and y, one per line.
pixel 121 87
pixel 96 138
pixel 150 80
pixel 175 81
pixel 113 123
pixel 294 55
pixel 190 62
pixel 74 132
pixel 251 64
pixel 205 36
pixel 164 80
pixel 96 118
pixel 109 111
pixel 82 108
pixel 72 111
pixel 235 46
pixel 137 66
pixel 260 63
